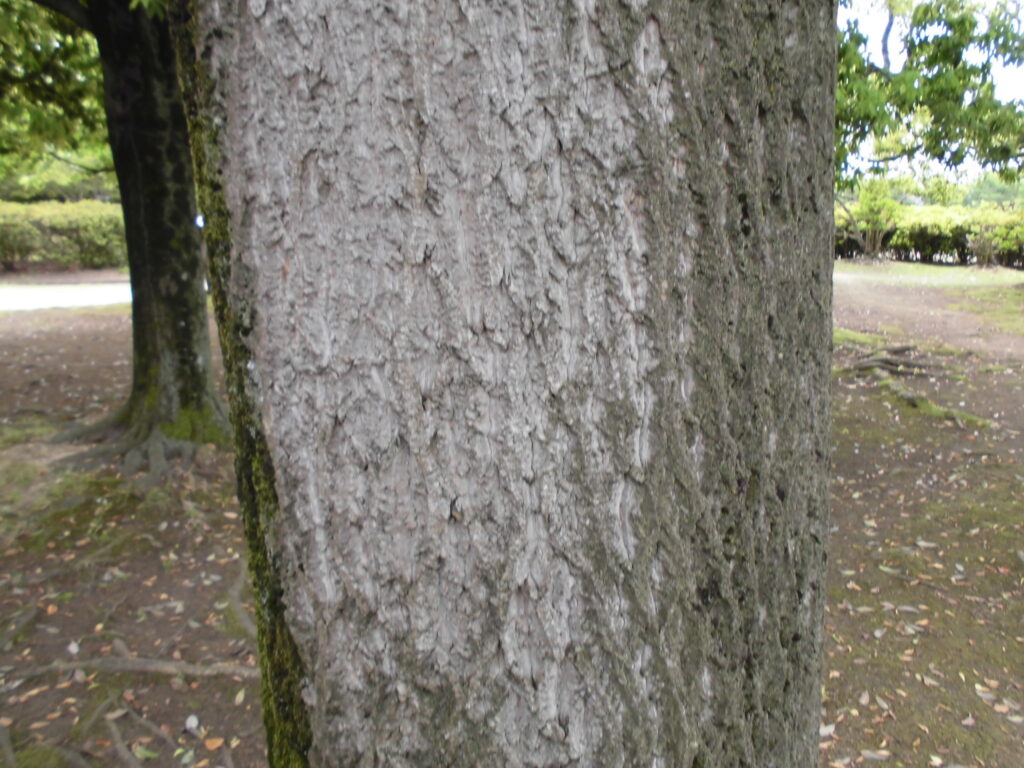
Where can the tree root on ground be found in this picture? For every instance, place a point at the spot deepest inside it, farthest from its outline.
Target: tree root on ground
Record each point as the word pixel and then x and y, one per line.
pixel 21 619
pixel 7 758
pixel 71 756
pixel 136 439
pixel 136 448
pixel 151 666
pixel 152 727
pixel 891 360
pixel 120 748
pixel 921 403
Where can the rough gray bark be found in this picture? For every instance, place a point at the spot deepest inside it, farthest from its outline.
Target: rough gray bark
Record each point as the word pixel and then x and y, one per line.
pixel 539 306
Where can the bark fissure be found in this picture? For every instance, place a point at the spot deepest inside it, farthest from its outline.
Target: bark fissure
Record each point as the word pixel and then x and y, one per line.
pixel 541 358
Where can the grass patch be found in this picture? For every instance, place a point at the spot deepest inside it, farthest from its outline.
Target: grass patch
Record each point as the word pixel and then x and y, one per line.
pixel 78 505
pixel 846 337
pixel 40 756
pixel 1002 307
pixel 16 477
pixel 23 430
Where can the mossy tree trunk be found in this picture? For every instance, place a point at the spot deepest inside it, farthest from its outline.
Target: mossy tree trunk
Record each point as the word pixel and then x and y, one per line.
pixel 172 404
pixel 528 314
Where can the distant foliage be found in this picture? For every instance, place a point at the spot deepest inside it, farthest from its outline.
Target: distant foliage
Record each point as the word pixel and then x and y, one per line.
pixel 50 86
pixel 991 189
pixel 932 95
pixel 934 234
pixel 85 174
pixel 87 234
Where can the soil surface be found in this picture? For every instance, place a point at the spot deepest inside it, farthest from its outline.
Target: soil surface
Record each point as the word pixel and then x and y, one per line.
pixel 925 621
pixel 919 311
pixel 126 635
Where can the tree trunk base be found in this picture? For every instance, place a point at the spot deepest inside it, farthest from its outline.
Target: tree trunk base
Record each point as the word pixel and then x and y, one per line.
pixel 139 440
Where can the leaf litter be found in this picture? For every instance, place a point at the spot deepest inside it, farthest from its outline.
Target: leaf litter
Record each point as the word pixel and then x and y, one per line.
pixel 924 654
pixel 122 612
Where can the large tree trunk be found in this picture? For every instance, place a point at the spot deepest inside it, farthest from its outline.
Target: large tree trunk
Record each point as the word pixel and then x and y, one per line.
pixel 531 302
pixel 172 403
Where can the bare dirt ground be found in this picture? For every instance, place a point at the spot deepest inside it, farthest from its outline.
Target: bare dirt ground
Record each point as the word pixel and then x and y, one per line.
pixel 919 311
pixel 925 624
pixel 126 635
pixel 125 631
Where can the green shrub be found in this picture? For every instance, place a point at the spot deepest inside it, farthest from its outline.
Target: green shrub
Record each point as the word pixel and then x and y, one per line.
pixel 87 234
pixel 18 241
pixel 931 233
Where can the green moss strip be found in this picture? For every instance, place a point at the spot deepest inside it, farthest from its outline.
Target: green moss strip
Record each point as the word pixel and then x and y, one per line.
pixel 927 407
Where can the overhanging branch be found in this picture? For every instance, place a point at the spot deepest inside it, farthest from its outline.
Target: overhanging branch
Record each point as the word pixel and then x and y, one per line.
pixel 71 9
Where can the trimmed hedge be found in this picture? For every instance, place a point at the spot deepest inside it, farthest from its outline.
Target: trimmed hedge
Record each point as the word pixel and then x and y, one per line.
pixel 945 234
pixel 87 234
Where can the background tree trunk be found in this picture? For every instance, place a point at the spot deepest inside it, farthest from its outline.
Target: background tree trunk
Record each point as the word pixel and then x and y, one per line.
pixel 531 302
pixel 172 401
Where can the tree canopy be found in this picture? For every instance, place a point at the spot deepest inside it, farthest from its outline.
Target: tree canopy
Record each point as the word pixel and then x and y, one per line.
pixel 50 83
pixel 936 96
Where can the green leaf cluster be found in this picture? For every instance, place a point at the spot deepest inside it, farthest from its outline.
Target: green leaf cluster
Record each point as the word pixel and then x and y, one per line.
pixel 941 104
pixel 985 234
pixel 88 234
pixel 82 174
pixel 50 83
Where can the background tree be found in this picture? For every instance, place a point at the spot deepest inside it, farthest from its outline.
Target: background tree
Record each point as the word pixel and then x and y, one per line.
pixel 937 94
pixel 526 308
pixel 172 403
pixel 871 219
pixel 991 189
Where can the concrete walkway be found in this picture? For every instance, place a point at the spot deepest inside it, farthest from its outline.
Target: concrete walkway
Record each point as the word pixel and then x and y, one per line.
pixel 19 293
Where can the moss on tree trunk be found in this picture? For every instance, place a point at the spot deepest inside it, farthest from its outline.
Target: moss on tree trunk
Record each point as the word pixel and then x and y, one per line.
pixel 284 712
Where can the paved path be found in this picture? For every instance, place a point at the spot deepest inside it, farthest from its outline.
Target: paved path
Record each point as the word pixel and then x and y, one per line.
pixel 20 297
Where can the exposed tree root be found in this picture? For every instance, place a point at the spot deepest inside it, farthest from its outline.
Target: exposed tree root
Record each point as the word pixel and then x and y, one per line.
pixel 72 756
pixel 153 728
pixel 17 623
pixel 962 419
pixel 891 365
pixel 136 445
pixel 891 360
pixel 86 725
pixel 120 747
pixel 96 431
pixel 151 666
pixel 7 749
